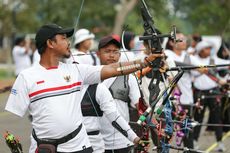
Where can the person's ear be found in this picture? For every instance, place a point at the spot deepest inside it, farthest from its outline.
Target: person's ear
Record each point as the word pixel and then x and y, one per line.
pixel 49 43
pixel 98 53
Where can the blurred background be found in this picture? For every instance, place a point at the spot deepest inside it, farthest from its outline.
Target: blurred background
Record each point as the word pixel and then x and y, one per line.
pixel 23 17
pixel 209 18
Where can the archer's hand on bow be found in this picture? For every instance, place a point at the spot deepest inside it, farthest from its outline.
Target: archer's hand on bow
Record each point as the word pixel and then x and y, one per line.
pixel 151 57
pixel 163 66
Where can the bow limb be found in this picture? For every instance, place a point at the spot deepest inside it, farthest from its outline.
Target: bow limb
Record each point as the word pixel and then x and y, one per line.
pixel 141 108
pixel 165 95
pixel 76 23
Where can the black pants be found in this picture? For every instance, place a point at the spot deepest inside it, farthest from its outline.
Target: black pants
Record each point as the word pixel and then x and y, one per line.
pixel 215 113
pixel 123 150
pixel 188 139
pixel 87 150
pixel 225 110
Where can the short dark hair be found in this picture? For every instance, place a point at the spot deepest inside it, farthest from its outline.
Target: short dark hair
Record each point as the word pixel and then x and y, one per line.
pixel 128 37
pixel 42 49
pixel 197 37
pixel 170 39
pixel 77 46
pixel 224 45
pixel 19 39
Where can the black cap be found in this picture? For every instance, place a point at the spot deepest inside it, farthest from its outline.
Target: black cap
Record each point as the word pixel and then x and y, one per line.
pixel 48 31
pixel 111 39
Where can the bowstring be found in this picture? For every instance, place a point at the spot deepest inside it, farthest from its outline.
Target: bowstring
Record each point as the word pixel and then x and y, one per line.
pixel 75 30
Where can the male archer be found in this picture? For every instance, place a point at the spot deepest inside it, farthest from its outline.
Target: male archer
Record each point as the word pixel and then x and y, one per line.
pixel 53 101
pixel 125 92
pixel 97 101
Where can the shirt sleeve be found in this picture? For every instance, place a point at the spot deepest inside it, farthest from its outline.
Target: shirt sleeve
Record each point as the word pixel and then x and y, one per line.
pixel 221 61
pixel 134 92
pixel 105 99
pixel 115 117
pixel 170 63
pixel 90 74
pixel 195 62
pixel 107 105
pixel 20 51
pixel 18 100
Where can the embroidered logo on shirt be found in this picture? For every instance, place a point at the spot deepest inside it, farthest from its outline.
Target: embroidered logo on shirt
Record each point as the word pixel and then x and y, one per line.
pixel 14 91
pixel 39 82
pixel 67 78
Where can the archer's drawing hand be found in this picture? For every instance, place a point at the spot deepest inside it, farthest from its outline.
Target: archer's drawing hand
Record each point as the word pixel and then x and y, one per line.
pixel 152 57
pixel 203 70
pixel 163 66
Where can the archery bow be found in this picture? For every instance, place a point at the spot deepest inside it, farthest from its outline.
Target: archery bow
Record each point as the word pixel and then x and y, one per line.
pixel 87 92
pixel 154 42
pixel 13 143
pixel 191 67
pixel 142 106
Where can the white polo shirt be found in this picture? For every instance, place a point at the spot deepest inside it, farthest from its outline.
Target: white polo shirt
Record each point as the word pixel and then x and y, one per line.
pixel 107 105
pixel 202 81
pixel 114 139
pixel 21 59
pixel 185 82
pixel 36 57
pixel 162 85
pixel 52 96
pixel 82 58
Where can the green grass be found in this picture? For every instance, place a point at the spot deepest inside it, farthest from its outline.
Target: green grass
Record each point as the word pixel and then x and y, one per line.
pixel 6 74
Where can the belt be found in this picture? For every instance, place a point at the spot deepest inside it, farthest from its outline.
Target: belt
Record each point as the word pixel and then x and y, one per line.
pixel 93 132
pixel 216 89
pixel 57 141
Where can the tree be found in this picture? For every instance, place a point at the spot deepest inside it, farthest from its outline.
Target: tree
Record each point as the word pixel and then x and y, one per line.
pixel 206 17
pixel 122 11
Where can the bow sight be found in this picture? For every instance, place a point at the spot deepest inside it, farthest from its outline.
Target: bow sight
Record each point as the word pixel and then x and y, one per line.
pixel 151 32
pixel 154 43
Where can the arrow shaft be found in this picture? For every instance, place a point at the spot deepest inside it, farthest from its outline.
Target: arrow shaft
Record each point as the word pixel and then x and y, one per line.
pixel 223 125
pixel 196 67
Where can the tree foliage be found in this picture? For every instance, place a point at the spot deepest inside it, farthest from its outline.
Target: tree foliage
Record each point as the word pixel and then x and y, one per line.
pixel 209 17
pixel 206 17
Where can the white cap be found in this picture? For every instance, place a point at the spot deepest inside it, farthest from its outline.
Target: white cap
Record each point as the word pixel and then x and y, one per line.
pixel 202 45
pixel 81 35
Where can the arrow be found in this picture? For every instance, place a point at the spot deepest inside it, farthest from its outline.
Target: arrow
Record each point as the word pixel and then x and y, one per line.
pixel 195 67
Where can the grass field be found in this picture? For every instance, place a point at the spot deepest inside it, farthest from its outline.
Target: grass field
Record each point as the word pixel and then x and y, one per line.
pixel 6 78
pixel 6 74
